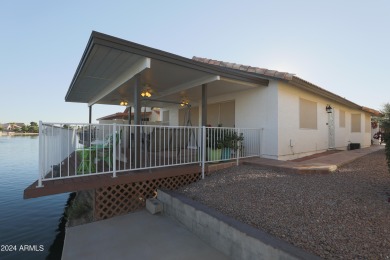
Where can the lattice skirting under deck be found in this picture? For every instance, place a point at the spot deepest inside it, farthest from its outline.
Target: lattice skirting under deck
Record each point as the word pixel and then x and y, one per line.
pixel 119 199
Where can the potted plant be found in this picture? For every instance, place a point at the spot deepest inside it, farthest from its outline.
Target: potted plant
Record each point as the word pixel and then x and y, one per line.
pixel 231 143
pixel 228 140
pixel 214 144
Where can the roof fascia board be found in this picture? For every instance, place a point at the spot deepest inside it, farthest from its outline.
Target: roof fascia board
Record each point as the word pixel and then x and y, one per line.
pixel 317 90
pixel 120 44
pixel 83 59
pixel 139 66
pixel 249 84
pixel 371 111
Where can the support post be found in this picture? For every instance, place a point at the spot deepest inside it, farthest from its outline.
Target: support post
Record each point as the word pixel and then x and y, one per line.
pixel 128 146
pixel 90 115
pixel 114 151
pixel 204 104
pixel 204 123
pixel 238 148
pixel 137 120
pixel 203 149
pixel 129 116
pixel 89 125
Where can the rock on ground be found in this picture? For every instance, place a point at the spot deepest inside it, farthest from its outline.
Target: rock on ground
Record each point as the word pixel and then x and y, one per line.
pixel 343 215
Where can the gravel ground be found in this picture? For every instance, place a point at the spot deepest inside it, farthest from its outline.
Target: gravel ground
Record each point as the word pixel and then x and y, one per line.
pixel 344 215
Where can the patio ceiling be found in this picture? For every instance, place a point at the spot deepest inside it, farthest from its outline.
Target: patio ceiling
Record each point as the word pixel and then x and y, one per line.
pixel 107 70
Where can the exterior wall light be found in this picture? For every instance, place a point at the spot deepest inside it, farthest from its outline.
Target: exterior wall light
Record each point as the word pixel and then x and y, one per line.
pixel 328 109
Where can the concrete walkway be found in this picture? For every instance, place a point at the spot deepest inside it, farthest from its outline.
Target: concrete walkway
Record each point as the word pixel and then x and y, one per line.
pixel 323 164
pixel 138 235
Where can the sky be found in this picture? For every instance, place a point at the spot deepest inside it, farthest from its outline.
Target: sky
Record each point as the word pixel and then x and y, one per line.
pixel 342 46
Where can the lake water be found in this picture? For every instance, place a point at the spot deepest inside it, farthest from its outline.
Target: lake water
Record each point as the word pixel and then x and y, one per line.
pixel 31 222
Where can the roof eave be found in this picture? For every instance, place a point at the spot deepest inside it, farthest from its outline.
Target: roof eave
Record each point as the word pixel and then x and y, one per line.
pixel 131 47
pixel 298 82
pixel 110 116
pixel 372 111
pixel 84 57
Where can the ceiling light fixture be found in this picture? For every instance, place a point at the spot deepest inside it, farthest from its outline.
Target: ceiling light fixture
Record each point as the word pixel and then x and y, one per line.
pixel 146 93
pixel 184 102
pixel 123 103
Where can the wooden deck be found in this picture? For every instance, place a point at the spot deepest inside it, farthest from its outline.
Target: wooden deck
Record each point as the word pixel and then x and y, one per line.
pixel 65 178
pixel 88 182
pixel 150 159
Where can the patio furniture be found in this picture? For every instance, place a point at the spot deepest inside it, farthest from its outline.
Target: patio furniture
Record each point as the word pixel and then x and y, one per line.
pixel 104 148
pixel 87 164
pixel 86 137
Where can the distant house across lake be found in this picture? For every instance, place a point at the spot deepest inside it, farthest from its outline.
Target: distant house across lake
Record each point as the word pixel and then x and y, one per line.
pixel 11 127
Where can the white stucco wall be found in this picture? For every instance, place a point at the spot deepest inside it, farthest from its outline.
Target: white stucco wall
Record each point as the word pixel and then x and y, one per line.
pixel 275 110
pixel 309 141
pixel 257 108
pixel 173 115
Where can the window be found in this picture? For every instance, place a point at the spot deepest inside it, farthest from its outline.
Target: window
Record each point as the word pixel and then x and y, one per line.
pixel 368 124
pixel 218 113
pixel 222 113
pixel 307 114
pixel 356 123
pixel 342 118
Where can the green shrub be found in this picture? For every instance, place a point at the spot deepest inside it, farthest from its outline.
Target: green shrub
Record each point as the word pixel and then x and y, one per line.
pixel 78 209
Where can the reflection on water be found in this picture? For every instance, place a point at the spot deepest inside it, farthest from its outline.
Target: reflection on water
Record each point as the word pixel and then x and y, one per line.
pixel 55 250
pixel 26 226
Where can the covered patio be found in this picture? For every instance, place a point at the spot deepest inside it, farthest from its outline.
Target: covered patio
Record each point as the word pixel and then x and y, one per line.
pixel 113 71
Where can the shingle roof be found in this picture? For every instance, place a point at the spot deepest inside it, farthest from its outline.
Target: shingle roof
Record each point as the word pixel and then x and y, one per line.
pixel 261 71
pixel 372 111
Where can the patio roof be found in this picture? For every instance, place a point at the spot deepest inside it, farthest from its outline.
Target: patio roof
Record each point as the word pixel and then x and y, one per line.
pixel 107 74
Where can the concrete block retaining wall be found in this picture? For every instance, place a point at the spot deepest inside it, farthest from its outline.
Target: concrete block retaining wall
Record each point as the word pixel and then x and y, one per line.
pixel 235 239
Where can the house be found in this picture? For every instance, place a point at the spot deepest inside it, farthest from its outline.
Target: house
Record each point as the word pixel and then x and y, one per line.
pixel 13 126
pixel 204 104
pixel 149 116
pixel 296 117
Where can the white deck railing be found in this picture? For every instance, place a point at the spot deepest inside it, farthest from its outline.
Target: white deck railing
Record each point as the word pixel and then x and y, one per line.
pixel 73 150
